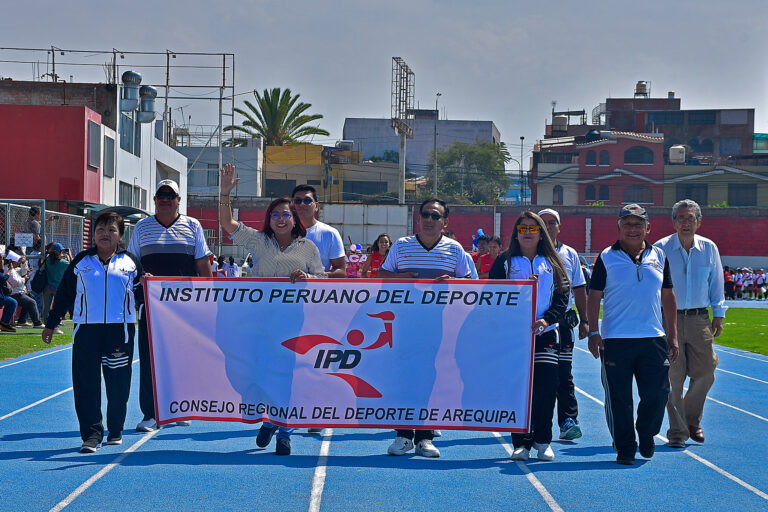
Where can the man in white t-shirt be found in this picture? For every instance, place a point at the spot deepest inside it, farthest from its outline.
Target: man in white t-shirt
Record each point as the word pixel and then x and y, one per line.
pixel 326 238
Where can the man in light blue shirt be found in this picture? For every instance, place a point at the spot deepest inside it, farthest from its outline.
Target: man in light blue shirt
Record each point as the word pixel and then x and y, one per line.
pixel 697 275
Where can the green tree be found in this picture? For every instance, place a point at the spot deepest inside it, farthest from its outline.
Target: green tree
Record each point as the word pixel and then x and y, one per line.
pixel 469 173
pixel 277 118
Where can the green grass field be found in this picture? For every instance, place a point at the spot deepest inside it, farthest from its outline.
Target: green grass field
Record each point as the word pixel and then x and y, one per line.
pixel 746 329
pixel 27 339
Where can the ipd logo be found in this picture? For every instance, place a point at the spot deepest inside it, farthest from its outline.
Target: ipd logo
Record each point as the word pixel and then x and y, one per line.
pixel 345 359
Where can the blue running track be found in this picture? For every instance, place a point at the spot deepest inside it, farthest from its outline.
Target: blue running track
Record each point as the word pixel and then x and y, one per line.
pixel 216 466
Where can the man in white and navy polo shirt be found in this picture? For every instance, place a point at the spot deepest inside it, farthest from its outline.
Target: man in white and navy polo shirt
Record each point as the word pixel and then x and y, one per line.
pixel 567 406
pixel 697 274
pixel 632 279
pixel 427 255
pixel 167 244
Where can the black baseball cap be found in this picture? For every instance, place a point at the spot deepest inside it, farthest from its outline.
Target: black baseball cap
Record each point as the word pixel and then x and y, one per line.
pixel 633 210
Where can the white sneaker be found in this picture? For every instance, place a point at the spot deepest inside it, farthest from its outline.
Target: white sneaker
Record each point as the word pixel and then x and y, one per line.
pixel 400 446
pixel 425 448
pixel 183 423
pixel 437 433
pixel 58 331
pixel 545 452
pixel 521 453
pixel 147 425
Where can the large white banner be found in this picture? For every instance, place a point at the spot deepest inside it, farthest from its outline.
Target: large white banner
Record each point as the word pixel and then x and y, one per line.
pixel 456 354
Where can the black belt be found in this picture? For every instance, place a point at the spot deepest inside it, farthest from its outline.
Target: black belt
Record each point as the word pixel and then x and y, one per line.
pixel 695 311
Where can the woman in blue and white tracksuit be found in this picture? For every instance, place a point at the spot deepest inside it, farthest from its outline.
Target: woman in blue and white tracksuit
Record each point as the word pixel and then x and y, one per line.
pixel 104 285
pixel 531 255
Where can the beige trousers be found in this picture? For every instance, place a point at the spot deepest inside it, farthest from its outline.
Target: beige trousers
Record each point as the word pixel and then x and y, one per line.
pixel 697 360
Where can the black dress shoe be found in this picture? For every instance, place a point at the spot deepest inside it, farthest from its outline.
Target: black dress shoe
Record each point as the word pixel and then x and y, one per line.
pixel 697 434
pixel 647 447
pixel 625 459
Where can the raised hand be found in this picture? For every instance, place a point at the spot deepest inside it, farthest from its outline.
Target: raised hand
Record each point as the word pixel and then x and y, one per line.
pixel 228 180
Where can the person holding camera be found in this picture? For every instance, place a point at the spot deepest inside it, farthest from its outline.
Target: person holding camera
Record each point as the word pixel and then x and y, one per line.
pixel 567 406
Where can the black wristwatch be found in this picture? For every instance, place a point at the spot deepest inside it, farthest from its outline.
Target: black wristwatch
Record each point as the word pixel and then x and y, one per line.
pixel 584 321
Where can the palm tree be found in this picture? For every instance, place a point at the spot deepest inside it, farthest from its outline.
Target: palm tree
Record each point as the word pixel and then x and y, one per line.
pixel 277 118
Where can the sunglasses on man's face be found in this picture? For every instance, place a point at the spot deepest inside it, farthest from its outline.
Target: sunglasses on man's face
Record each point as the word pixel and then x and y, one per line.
pixel 434 216
pixel 306 200
pixel 166 195
pixel 278 215
pixel 522 229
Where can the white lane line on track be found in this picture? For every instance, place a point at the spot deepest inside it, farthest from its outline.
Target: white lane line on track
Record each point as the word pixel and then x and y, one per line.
pixel 31 358
pixel 696 457
pixel 743 376
pixel 535 482
pixel 741 355
pixel 318 479
pixel 103 471
pixel 17 411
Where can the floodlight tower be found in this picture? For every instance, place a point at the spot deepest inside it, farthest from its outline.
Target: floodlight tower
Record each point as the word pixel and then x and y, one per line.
pixel 403 81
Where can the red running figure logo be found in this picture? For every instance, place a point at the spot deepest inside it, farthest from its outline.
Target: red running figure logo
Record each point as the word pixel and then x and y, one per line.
pixel 346 359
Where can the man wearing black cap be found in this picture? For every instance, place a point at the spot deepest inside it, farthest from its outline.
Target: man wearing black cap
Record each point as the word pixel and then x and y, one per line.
pixel 167 244
pixel 633 280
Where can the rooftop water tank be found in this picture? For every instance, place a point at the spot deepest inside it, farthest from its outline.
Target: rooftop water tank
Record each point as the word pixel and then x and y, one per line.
pixel 677 154
pixel 641 89
pixel 130 99
pixel 560 123
pixel 593 135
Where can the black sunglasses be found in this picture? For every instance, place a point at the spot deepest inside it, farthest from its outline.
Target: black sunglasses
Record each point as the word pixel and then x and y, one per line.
pixel 307 200
pixel 166 195
pixel 435 216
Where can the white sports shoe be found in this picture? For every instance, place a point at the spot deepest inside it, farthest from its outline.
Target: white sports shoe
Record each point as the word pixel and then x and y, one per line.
pixel 545 452
pixel 400 446
pixel 183 423
pixel 425 448
pixel 521 453
pixel 147 425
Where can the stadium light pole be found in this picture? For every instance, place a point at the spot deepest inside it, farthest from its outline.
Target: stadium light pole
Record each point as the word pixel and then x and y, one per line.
pixel 522 183
pixel 437 116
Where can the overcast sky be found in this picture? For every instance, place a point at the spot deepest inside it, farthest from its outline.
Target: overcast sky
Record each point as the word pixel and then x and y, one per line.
pixel 503 61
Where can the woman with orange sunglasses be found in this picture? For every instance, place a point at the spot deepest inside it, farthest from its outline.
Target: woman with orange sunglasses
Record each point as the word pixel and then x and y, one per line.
pixel 531 255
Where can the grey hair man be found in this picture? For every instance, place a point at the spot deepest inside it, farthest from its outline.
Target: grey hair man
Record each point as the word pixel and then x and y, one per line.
pixel 697 276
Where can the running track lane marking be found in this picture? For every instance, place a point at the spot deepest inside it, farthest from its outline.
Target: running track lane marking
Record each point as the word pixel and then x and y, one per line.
pixel 743 376
pixel 742 355
pixel 535 482
pixel 17 411
pixel 696 457
pixel 31 358
pixel 318 480
pixel 103 471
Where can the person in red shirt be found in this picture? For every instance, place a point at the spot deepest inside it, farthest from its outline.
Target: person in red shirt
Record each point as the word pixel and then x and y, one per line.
pixel 482 247
pixel 379 251
pixel 485 262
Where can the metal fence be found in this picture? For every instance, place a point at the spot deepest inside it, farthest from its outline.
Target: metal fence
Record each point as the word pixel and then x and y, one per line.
pixel 64 228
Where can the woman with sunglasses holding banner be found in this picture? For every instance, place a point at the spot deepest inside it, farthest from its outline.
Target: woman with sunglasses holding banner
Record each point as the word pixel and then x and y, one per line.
pixel 531 255
pixel 281 250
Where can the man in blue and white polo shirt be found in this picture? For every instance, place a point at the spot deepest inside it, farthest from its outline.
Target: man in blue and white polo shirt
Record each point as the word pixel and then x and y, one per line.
pixel 167 244
pixel 567 406
pixel 633 280
pixel 427 255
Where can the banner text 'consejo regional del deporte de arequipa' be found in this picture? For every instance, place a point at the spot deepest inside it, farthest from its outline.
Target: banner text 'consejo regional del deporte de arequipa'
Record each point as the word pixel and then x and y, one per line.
pixel 343 353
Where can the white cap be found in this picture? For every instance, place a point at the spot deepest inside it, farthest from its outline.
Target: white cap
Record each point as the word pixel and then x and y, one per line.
pixel 170 184
pixel 550 211
pixel 12 256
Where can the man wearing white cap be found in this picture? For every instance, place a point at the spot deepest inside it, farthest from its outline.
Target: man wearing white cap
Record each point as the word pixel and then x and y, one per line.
pixel 567 406
pixel 167 244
